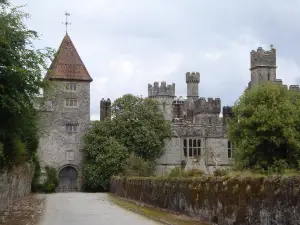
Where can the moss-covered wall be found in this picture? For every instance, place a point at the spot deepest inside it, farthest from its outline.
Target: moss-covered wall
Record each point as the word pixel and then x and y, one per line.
pixel 226 200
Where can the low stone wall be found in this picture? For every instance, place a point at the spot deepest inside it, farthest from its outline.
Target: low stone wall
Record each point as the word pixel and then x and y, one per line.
pixel 15 184
pixel 247 200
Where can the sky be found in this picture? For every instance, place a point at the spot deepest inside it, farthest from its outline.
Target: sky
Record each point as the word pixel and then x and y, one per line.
pixel 127 44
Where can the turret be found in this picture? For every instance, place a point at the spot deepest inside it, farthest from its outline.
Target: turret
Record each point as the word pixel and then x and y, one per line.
pixel 192 81
pixel 105 109
pixel 263 66
pixel 227 113
pixel 164 94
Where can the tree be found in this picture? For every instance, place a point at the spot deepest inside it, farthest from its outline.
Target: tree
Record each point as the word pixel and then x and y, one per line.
pixel 266 127
pixel 140 126
pixel 128 143
pixel 104 157
pixel 21 69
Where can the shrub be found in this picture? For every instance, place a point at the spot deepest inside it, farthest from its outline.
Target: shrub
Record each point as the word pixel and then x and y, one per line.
pixel 137 166
pixel 194 173
pixel 221 172
pixel 179 172
pixel 176 172
pixel 50 188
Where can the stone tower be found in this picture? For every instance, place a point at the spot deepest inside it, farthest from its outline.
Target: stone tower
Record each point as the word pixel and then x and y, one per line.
pixel 263 66
pixel 61 145
pixel 192 80
pixel 105 109
pixel 165 95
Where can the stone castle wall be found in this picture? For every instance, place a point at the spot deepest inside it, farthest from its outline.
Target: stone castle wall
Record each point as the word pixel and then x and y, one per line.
pixel 58 145
pixel 15 184
pixel 221 200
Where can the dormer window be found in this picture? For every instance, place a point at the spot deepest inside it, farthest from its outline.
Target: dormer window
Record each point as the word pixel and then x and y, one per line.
pixel 71 87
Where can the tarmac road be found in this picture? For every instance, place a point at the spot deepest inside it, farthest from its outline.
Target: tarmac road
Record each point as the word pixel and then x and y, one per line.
pixel 87 209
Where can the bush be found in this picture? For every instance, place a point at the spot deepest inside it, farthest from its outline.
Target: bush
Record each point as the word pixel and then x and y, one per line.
pixel 49 185
pixel 137 166
pixel 50 188
pixel 179 172
pixel 221 172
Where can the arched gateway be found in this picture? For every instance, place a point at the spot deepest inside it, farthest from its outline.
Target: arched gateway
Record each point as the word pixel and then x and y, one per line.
pixel 67 179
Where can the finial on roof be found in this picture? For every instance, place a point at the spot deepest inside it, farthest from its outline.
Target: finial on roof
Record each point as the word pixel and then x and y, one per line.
pixel 67 23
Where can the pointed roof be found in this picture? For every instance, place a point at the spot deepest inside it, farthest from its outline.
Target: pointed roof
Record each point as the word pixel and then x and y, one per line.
pixel 67 64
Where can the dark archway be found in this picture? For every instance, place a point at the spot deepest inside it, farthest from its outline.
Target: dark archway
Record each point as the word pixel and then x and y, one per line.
pixel 67 179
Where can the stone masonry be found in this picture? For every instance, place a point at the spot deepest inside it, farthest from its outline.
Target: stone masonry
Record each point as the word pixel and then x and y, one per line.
pixel 65 116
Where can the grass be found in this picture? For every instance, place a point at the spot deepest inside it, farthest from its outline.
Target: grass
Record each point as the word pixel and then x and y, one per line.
pixel 163 217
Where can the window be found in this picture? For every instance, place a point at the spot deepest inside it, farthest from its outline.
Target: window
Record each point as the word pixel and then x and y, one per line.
pixel 71 128
pixel 185 148
pixel 231 147
pixel 71 102
pixel 209 120
pixel 268 76
pixel 192 147
pixel 71 87
pixel 176 111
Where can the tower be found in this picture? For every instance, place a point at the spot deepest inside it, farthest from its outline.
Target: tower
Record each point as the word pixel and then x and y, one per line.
pixel 192 80
pixel 263 66
pixel 105 109
pixel 65 125
pixel 164 94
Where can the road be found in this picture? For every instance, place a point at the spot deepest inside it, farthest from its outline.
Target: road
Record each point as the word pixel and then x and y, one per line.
pixel 87 209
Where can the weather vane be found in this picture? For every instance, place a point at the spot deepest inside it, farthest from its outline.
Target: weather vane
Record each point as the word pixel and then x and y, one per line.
pixel 67 23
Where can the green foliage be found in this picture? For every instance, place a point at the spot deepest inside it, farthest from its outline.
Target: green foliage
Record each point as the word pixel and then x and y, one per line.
pixel 266 129
pixel 51 182
pixel 221 172
pixel 137 127
pixel 35 186
pixel 21 69
pixel 103 159
pixel 137 166
pixel 179 172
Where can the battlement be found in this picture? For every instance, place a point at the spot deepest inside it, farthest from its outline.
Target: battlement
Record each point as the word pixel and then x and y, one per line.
pixel 207 106
pixel 227 110
pixel 294 87
pixel 162 90
pixel 263 58
pixel 192 77
pixel 104 102
pixel 179 100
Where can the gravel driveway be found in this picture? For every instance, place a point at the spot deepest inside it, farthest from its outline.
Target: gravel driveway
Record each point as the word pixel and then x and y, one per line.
pixel 87 209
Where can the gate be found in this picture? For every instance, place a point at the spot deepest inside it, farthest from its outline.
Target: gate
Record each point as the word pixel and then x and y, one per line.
pixel 67 180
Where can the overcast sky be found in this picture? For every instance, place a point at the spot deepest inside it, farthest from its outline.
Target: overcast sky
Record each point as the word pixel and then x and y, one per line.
pixel 126 44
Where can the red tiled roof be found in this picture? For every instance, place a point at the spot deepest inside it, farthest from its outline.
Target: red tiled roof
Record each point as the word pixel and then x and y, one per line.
pixel 67 65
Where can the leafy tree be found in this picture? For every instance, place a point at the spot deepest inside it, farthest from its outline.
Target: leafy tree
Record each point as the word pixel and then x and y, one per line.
pixel 137 128
pixel 105 157
pixel 266 127
pixel 21 69
pixel 139 125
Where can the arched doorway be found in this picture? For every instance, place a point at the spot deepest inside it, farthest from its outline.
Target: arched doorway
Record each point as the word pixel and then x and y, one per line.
pixel 67 179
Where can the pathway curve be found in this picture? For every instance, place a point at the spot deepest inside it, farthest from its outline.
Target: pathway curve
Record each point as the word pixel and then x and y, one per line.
pixel 87 209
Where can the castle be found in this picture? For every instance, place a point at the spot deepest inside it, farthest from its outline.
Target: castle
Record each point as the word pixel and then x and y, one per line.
pixel 198 132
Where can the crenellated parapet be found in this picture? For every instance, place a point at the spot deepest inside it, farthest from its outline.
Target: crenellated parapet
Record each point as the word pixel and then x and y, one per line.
pixel 162 90
pixel 192 77
pixel 294 87
pixel 210 105
pixel 263 58
pixel 227 113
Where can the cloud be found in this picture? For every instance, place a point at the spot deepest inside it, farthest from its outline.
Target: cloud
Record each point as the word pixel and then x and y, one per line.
pixel 127 44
